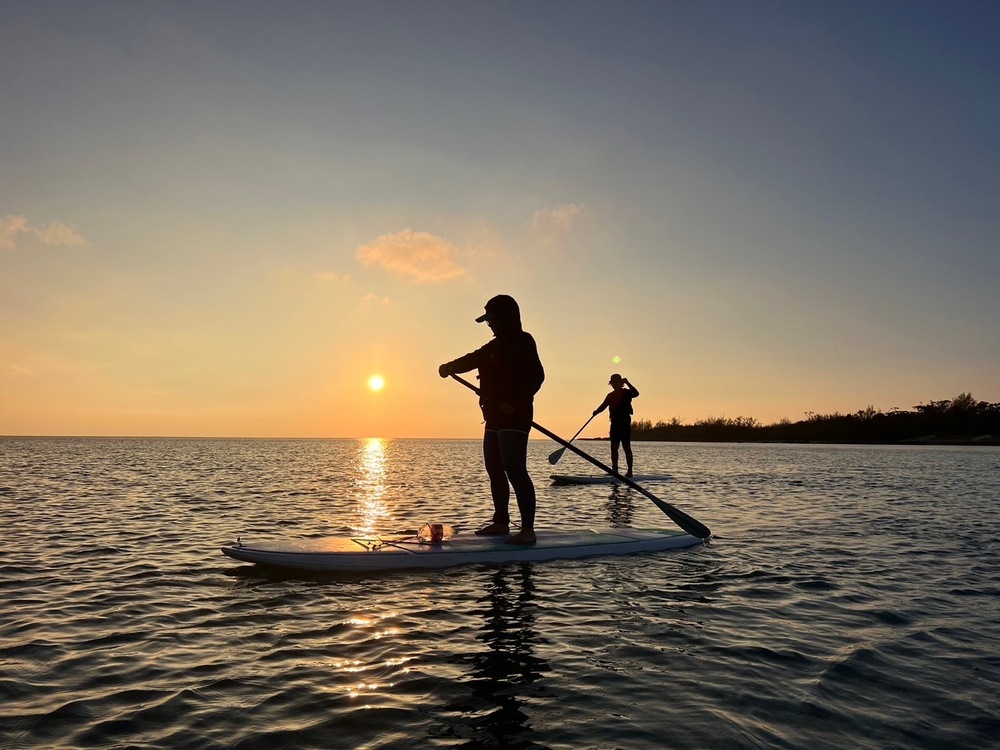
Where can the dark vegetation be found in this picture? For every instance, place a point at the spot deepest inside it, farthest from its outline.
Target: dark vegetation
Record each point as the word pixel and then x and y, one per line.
pixel 959 421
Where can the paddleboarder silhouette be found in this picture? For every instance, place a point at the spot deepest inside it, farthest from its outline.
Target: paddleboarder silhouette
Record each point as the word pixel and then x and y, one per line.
pixel 619 406
pixel 510 374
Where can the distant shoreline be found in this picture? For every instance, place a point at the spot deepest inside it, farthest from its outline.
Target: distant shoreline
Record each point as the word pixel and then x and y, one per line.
pixel 986 440
pixel 959 421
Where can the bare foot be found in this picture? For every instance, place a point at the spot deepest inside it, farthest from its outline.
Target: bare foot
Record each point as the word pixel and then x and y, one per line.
pixel 524 536
pixel 494 529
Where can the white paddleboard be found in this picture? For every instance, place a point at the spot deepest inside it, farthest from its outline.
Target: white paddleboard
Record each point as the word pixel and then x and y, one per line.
pixel 606 478
pixel 358 554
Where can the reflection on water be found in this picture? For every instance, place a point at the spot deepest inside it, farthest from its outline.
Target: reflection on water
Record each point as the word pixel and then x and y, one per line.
pixel 620 507
pixel 501 672
pixel 371 477
pixel 847 591
pixel 364 680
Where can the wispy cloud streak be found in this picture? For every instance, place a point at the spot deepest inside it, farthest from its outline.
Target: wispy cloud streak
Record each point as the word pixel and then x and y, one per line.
pixel 555 222
pixel 14 226
pixel 420 257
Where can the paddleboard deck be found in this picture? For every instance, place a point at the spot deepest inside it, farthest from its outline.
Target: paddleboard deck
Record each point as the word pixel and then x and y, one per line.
pixel 367 554
pixel 606 478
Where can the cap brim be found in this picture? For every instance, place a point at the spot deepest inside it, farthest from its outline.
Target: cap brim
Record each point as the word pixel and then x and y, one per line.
pixel 484 317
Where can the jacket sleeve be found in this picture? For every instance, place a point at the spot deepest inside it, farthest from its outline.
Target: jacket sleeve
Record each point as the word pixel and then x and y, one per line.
pixel 632 390
pixel 466 362
pixel 604 405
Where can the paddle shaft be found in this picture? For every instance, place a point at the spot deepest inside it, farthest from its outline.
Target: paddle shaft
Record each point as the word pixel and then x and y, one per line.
pixel 687 523
pixel 556 455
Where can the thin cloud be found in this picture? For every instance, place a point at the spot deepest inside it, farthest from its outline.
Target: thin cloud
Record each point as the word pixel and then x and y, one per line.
pixel 58 233
pixel 10 227
pixel 555 222
pixel 420 257
pixel 371 299
pixel 13 226
pixel 331 276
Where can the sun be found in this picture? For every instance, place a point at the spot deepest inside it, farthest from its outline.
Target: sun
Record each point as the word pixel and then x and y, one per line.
pixel 376 383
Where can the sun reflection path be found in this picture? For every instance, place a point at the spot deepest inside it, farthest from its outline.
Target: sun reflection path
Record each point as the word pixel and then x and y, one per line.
pixel 372 471
pixel 370 686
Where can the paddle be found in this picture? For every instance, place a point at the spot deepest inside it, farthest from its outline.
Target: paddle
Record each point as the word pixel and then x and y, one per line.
pixel 556 455
pixel 682 519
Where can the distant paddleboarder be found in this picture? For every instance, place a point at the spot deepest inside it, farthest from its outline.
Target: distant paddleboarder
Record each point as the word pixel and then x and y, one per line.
pixel 619 406
pixel 510 374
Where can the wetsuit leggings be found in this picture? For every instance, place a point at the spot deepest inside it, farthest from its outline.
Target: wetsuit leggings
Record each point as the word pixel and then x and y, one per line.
pixel 505 453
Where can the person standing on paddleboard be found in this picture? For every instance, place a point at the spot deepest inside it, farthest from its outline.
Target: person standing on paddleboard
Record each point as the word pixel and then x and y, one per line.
pixel 510 374
pixel 619 406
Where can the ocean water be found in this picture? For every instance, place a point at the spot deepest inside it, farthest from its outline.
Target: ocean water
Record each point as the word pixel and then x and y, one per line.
pixel 850 598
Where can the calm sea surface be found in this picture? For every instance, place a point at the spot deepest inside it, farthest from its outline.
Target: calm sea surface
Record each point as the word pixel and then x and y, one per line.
pixel 850 598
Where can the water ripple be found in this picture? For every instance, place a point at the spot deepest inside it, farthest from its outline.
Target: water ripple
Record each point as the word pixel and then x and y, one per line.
pixel 848 599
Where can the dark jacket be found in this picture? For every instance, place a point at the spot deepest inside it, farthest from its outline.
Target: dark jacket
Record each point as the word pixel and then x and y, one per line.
pixel 510 372
pixel 619 405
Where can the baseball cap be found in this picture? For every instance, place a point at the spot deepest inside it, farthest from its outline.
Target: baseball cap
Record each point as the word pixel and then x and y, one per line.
pixel 499 305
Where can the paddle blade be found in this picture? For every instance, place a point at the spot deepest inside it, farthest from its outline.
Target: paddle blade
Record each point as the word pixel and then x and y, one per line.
pixel 554 458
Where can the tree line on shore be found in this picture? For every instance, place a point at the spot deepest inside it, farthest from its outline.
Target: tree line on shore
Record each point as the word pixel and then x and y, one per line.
pixel 961 420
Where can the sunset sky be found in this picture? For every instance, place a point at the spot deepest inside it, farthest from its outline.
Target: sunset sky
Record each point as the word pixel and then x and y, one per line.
pixel 223 218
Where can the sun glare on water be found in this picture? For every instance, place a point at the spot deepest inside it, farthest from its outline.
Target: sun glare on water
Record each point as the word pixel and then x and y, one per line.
pixel 376 383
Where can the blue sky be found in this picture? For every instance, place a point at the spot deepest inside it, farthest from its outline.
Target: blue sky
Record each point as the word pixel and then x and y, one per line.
pixel 221 218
